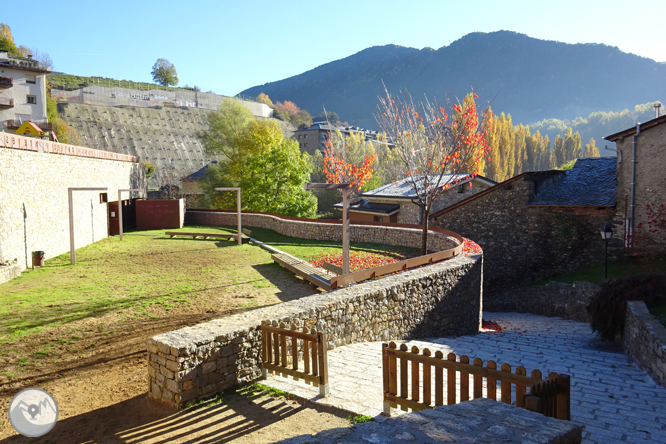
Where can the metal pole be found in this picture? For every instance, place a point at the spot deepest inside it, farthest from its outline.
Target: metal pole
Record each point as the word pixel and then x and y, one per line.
pixel 345 231
pixel 606 262
pixel 238 207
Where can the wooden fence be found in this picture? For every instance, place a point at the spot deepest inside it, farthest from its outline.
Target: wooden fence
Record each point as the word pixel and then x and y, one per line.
pixel 550 397
pixel 281 356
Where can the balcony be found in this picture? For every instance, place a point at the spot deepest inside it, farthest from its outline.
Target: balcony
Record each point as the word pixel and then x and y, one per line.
pixel 16 124
pixel 6 103
pixel 6 82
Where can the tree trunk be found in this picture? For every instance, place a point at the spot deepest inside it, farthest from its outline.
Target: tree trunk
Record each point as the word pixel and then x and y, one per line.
pixel 424 235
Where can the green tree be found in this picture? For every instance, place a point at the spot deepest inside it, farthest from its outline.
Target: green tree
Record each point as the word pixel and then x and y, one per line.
pixel 492 130
pixel 557 154
pixel 225 127
pixel 164 73
pixel 591 149
pixel 330 116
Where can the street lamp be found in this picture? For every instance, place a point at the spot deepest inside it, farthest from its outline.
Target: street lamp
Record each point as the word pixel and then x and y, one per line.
pixel 606 233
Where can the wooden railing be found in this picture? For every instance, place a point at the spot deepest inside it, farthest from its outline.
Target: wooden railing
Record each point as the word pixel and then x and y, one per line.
pixel 280 355
pixel 424 368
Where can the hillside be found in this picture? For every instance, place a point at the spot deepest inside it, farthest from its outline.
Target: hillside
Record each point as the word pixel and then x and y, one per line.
pixel 163 136
pixel 528 78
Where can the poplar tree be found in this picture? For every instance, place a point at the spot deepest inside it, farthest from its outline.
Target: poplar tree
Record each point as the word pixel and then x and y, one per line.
pixel 591 149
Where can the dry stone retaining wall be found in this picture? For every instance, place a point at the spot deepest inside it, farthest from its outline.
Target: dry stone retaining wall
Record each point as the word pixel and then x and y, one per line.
pixel 555 299
pixel 644 340
pixel 312 229
pixel 443 299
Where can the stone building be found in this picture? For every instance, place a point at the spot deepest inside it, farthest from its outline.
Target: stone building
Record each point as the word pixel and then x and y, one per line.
pixel 641 161
pixel 394 202
pixel 314 137
pixel 538 224
pixel 22 92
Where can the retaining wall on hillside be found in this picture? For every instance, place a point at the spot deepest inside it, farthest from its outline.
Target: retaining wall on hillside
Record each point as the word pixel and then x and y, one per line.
pixel 34 209
pixel 443 299
pixel 388 234
pixel 644 340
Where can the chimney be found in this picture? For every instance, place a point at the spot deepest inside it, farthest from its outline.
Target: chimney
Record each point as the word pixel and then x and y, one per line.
pixel 656 109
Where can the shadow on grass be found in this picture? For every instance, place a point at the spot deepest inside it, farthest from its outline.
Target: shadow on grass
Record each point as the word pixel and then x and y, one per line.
pixel 284 280
pixel 141 419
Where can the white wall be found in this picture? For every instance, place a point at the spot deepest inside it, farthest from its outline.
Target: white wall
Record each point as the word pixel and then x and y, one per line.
pixel 19 93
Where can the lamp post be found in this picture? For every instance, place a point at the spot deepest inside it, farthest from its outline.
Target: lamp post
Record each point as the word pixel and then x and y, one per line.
pixel 606 233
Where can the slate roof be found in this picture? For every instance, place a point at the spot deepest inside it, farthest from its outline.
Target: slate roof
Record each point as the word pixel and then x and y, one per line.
pixel 403 189
pixel 201 173
pixel 590 183
pixel 370 207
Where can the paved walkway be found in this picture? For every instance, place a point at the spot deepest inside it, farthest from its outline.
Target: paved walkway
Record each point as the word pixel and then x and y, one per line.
pixel 613 398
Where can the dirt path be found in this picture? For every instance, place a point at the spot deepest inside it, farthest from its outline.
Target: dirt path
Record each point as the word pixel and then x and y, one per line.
pixel 101 392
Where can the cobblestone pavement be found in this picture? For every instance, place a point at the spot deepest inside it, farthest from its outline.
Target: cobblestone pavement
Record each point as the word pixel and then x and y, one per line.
pixel 613 398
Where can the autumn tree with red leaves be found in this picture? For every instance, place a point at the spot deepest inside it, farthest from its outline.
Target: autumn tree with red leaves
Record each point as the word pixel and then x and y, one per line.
pixel 434 144
pixel 349 160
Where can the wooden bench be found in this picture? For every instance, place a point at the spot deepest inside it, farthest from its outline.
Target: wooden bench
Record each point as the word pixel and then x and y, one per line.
pixel 303 270
pixel 194 235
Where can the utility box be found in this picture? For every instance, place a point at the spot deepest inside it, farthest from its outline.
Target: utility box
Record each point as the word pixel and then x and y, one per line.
pixel 160 214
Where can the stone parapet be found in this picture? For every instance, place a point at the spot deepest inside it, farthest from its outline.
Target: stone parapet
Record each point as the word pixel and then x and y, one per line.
pixel 644 340
pixel 443 299
pixel 325 230
pixel 479 421
pixel 555 299
pixel 9 272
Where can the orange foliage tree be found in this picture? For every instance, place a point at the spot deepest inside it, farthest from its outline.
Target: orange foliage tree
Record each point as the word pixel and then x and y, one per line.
pixel 437 146
pixel 349 160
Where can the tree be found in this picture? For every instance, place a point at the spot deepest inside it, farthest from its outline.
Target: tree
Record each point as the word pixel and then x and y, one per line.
pixel 591 149
pixel 164 73
pixel 263 98
pixel 349 159
pixel 433 143
pixel 255 157
pixel 329 116
pixel 289 112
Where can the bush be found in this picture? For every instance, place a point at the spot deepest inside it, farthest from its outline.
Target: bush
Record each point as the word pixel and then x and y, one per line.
pixel 608 308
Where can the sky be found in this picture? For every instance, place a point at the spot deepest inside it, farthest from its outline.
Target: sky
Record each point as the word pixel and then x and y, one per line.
pixel 229 46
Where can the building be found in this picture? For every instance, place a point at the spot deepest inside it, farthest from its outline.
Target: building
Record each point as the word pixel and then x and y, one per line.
pixel 314 137
pixel 394 202
pixel 537 225
pixel 22 92
pixel 641 162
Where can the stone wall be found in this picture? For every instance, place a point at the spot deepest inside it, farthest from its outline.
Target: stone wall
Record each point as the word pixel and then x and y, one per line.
pixel 324 230
pixel 644 340
pixel 650 187
pixel 479 421
pixel 9 272
pixel 523 244
pixel 443 299
pixel 555 299
pixel 34 210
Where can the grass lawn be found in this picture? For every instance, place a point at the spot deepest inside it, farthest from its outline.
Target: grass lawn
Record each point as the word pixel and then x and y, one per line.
pixel 616 269
pixel 148 275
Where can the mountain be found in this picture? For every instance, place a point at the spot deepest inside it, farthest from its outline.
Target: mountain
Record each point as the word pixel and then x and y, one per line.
pixel 530 79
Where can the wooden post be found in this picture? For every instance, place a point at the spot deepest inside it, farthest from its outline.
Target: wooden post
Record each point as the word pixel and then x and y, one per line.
pixel 385 370
pixel 323 365
pixel 238 208
pixel 563 397
pixel 345 231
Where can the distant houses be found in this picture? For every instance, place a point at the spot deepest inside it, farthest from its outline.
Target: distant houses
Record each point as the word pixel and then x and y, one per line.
pixel 313 137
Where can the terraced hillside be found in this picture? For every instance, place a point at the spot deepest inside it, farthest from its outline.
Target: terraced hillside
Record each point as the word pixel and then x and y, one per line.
pixel 163 136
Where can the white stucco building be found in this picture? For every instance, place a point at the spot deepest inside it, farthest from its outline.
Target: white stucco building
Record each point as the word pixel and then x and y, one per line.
pixel 22 92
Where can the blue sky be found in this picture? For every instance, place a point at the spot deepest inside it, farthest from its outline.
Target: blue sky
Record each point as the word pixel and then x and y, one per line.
pixel 228 46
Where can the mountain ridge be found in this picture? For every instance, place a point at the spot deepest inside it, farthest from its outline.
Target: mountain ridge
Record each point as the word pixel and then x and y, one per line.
pixel 530 79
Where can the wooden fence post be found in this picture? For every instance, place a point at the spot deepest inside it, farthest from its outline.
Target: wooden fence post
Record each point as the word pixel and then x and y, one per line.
pixel 564 397
pixel 323 365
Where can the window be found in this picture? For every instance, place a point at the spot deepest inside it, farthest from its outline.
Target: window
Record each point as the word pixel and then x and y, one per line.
pixel 461 189
pixel 379 218
pixel 32 99
pixel 103 197
pixel 30 79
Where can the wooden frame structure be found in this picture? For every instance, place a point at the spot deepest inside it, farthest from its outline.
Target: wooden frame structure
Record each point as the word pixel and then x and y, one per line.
pixel 238 209
pixel 70 191
pixel 550 397
pixel 277 352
